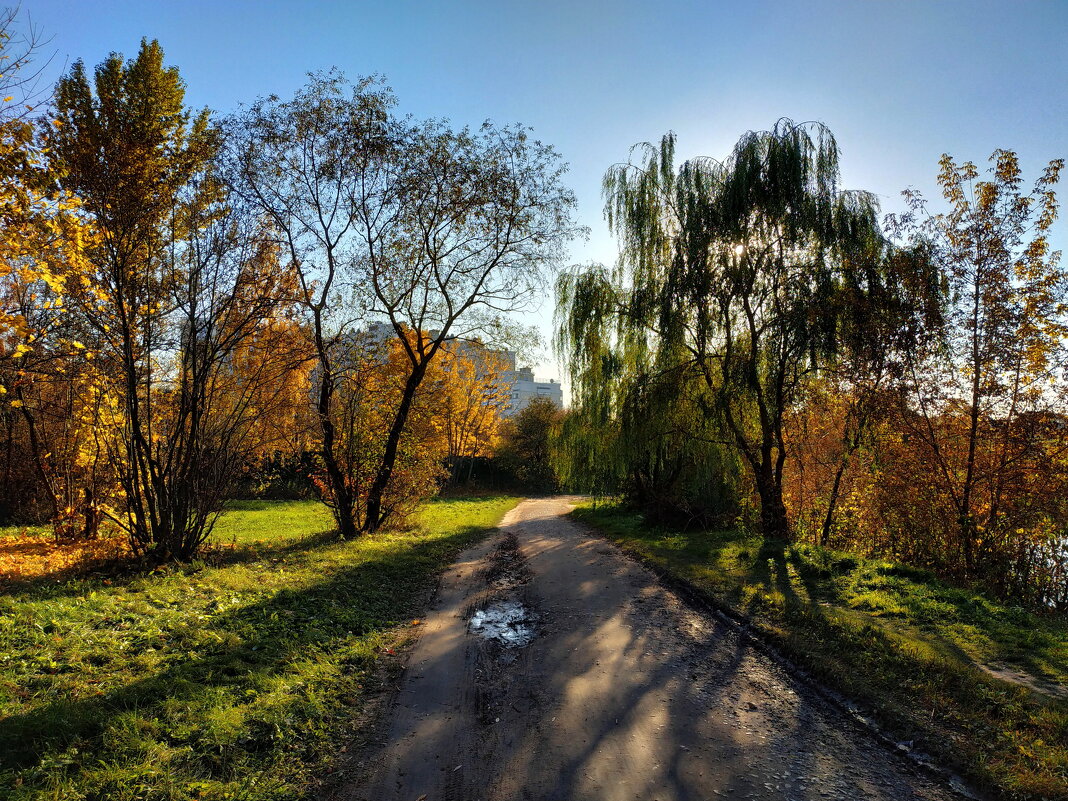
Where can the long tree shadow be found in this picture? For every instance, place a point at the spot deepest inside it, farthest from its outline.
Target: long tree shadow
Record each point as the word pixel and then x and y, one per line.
pixel 257 642
pixel 771 570
pixel 635 691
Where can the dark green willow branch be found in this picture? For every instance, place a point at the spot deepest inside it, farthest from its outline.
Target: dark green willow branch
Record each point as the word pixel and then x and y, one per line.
pixel 736 281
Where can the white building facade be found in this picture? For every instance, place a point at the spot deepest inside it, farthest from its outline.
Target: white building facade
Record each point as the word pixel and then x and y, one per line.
pixel 521 384
pixel 524 388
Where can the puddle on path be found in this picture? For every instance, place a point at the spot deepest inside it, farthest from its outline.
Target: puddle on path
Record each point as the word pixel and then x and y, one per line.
pixel 507 622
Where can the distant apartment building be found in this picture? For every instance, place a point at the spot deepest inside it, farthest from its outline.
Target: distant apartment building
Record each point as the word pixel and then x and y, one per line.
pixel 522 386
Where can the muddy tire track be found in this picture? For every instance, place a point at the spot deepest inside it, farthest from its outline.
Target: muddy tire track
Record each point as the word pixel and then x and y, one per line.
pixel 501 621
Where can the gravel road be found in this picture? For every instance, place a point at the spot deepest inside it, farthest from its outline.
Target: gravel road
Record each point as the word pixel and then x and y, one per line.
pixel 551 666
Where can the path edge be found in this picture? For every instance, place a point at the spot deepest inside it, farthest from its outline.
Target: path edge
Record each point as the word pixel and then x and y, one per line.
pixel 705 602
pixel 350 771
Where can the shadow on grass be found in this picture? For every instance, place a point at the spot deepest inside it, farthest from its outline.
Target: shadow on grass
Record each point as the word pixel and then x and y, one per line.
pixel 264 639
pixel 224 554
pixel 770 571
pixel 811 582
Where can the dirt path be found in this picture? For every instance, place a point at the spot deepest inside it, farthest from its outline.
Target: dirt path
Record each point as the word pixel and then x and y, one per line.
pixel 612 689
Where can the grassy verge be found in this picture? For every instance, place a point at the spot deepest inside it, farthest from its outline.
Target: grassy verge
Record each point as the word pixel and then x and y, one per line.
pixel 235 681
pixel 892 638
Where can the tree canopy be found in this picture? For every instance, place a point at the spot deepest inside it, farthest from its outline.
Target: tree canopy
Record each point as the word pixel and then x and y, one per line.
pixel 742 273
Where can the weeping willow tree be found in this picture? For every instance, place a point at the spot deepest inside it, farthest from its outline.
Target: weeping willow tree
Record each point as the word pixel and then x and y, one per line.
pixel 731 274
pixel 640 430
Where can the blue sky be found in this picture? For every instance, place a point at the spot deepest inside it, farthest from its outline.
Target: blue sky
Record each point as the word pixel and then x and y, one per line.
pixel 899 82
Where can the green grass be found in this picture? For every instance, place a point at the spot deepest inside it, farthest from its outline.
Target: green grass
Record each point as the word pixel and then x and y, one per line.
pixel 250 522
pixel 241 680
pixel 892 638
pixel 36 530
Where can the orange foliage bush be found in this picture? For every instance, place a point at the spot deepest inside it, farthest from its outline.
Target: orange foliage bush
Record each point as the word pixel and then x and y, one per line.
pixel 371 379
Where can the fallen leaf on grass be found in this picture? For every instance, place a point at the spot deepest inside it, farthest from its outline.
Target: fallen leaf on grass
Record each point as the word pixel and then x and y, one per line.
pixel 34 555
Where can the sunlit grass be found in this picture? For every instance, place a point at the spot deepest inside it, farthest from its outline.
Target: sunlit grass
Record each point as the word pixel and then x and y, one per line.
pixel 892 637
pixel 238 680
pixel 36 530
pixel 247 522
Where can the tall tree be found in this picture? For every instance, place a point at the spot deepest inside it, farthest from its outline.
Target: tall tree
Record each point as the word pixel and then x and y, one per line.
pixel 43 241
pixel 178 281
pixel 435 231
pixel 481 218
pixel 311 165
pixel 733 269
pixel 982 400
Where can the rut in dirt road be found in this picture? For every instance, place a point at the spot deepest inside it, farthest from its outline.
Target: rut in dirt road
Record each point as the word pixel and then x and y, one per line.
pixel 554 667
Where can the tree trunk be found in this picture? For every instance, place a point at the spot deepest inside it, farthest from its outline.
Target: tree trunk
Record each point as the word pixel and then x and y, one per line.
pixel 967 524
pixel 39 456
pixel 375 514
pixel 346 524
pixel 339 487
pixel 773 522
pixel 6 507
pixel 832 502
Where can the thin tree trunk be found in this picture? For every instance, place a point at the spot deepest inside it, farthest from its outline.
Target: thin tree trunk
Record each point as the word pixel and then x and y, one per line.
pixel 832 502
pixel 375 515
pixel 9 446
pixel 38 456
pixel 967 525
pixel 852 443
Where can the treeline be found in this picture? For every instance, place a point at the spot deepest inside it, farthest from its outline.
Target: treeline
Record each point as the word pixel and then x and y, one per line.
pixel 769 352
pixel 312 283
